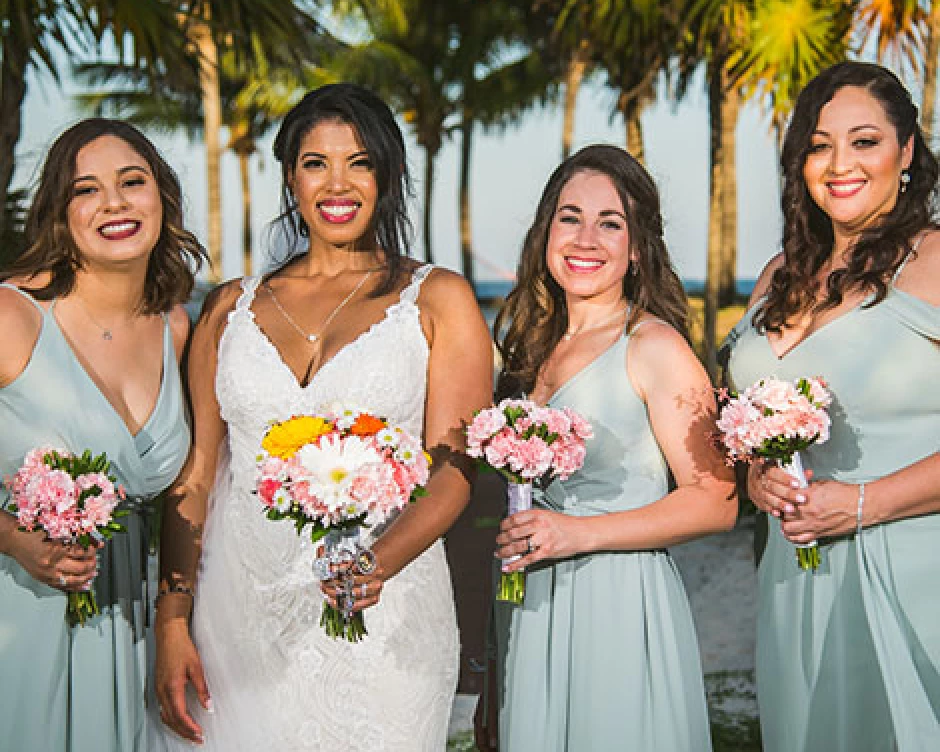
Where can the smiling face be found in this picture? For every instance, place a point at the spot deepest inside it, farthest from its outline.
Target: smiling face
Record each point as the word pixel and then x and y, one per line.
pixel 588 251
pixel 333 182
pixel 115 212
pixel 854 164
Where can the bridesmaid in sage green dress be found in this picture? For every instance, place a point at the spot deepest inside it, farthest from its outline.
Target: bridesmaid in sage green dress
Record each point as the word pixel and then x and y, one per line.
pixel 848 656
pixel 93 330
pixel 602 653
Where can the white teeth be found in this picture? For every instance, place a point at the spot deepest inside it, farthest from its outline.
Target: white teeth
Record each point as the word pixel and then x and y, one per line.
pixel 583 264
pixel 338 211
pixel 116 229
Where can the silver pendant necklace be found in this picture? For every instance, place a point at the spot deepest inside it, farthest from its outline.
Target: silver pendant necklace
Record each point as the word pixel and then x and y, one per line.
pixel 314 336
pixel 568 336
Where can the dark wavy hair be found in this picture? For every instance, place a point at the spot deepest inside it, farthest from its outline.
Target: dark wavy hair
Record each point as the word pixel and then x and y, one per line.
pixel 375 124
pixel 535 315
pixel 49 243
pixel 807 231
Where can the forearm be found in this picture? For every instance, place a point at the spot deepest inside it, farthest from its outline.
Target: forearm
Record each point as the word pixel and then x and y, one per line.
pixel 688 512
pixel 180 548
pixel 8 529
pixel 909 492
pixel 423 521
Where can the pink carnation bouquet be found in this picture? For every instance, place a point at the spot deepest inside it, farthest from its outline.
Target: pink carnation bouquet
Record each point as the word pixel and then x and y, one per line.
pixel 336 472
pixel 73 499
pixel 775 420
pixel 526 443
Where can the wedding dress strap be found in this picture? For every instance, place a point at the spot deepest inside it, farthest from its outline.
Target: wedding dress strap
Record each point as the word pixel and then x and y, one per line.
pixel 410 293
pixel 249 287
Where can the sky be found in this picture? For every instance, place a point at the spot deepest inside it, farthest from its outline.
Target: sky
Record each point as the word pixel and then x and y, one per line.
pixel 510 168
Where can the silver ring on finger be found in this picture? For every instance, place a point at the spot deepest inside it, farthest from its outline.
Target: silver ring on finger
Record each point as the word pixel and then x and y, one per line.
pixel 63 581
pixel 362 590
pixel 529 548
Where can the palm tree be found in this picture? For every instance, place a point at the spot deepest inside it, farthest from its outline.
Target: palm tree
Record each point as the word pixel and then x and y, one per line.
pixel 32 31
pixel 931 62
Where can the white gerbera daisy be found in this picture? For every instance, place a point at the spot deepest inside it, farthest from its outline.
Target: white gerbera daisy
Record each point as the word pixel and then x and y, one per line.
pixel 331 468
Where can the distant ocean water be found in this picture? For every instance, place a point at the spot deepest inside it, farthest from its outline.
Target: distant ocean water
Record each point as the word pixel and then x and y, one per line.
pixel 491 289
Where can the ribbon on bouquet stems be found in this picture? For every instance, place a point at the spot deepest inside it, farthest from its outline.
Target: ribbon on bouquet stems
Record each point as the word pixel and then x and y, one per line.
pixel 512 584
pixel 343 557
pixel 807 554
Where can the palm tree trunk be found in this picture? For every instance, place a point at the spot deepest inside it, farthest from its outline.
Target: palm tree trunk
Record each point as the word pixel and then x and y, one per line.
pixel 715 225
pixel 15 60
pixel 727 285
pixel 631 118
pixel 466 225
pixel 574 75
pixel 201 36
pixel 244 169
pixel 931 61
pixel 428 194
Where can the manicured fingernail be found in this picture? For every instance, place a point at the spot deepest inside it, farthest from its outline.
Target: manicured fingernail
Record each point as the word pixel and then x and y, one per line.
pixel 794 484
pixel 210 708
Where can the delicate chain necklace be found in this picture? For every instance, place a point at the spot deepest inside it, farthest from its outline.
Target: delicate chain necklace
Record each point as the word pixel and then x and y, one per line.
pixel 314 336
pixel 568 336
pixel 107 332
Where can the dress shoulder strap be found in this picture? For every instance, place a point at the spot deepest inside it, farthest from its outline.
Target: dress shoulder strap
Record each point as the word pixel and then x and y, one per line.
pixel 907 257
pixel 249 287
pixel 410 293
pixel 25 294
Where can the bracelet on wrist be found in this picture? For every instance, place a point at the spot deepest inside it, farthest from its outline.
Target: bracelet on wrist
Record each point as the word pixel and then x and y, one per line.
pixel 176 588
pixel 861 509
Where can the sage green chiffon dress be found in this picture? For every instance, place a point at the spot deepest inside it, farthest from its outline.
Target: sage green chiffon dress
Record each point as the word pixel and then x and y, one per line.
pixel 82 689
pixel 602 654
pixel 848 657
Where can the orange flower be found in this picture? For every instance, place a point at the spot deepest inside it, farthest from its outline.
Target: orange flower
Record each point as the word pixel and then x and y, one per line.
pixel 366 425
pixel 285 438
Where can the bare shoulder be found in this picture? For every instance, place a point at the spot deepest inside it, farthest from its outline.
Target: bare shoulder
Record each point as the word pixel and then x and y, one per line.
pixel 180 326
pixel 20 322
pixel 659 357
pixel 921 274
pixel 762 285
pixel 446 293
pixel 218 304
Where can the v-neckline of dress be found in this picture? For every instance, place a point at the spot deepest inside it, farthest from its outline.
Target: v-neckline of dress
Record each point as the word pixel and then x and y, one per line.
pixel 584 369
pixel 50 312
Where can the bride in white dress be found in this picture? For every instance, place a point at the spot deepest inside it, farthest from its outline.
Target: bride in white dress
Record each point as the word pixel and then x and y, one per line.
pixel 242 662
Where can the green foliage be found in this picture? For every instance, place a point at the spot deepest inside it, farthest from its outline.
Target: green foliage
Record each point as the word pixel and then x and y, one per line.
pixel 13 241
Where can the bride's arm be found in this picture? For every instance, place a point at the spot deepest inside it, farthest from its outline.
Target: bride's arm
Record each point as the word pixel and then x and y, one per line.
pixel 460 375
pixel 177 662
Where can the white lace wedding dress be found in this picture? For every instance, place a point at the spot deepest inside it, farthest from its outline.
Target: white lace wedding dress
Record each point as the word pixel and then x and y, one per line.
pixel 278 683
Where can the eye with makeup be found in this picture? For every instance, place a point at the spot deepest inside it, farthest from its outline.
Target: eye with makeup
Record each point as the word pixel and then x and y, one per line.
pixel 866 142
pixel 83 189
pixel 312 163
pixel 362 163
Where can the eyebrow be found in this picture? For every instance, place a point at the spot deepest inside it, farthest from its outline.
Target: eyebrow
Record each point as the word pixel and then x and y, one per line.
pixel 356 155
pixel 853 129
pixel 121 171
pixel 603 213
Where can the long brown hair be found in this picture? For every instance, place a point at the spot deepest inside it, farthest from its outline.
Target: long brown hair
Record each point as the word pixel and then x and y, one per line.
pixel 807 231
pixel 49 243
pixel 535 315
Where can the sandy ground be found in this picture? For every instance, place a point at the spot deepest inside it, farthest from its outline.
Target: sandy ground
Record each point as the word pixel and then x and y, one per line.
pixel 720 578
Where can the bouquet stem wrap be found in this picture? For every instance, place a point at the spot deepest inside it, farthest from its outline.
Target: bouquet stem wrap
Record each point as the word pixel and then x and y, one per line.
pixel 341 545
pixel 807 554
pixel 512 584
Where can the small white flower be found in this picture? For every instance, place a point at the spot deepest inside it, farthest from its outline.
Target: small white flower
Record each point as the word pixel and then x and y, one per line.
pixel 282 500
pixel 387 437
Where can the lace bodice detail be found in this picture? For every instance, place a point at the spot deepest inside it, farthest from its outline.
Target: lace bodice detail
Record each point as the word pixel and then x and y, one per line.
pixel 254 386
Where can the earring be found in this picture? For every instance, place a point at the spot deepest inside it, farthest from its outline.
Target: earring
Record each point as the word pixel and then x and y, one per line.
pixel 905 179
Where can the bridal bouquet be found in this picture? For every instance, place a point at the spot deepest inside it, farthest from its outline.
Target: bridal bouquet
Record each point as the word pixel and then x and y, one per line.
pixel 75 500
pixel 774 419
pixel 336 472
pixel 526 443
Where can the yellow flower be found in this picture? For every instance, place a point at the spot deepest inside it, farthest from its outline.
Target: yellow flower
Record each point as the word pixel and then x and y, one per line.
pixel 285 438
